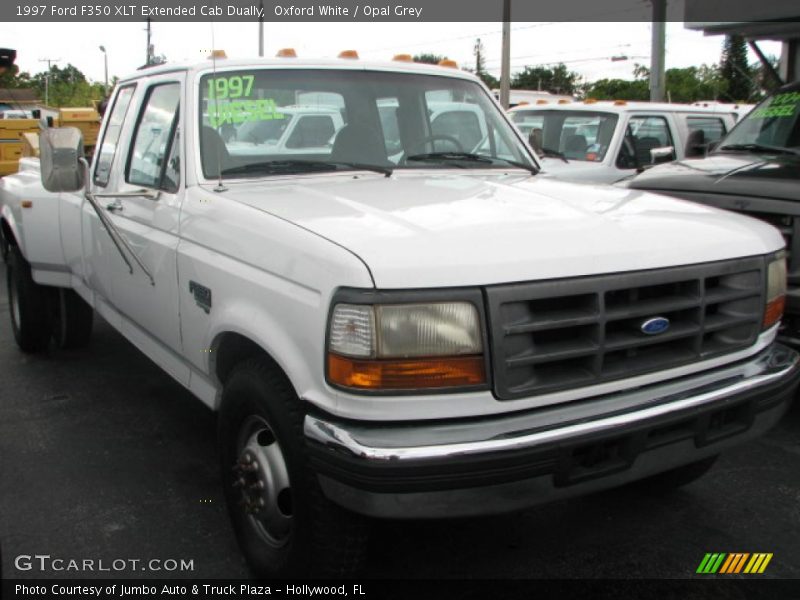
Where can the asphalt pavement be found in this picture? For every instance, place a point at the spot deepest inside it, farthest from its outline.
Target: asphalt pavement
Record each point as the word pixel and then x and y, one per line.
pixel 104 457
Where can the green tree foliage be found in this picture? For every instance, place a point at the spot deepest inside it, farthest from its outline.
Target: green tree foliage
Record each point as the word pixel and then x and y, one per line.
pixel 557 79
pixel 618 89
pixel 68 86
pixel 480 66
pixel 687 85
pixel 735 70
pixel 429 58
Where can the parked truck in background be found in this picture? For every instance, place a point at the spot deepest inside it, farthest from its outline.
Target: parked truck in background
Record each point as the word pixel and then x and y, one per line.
pixel 394 325
pixel 605 142
pixel 754 170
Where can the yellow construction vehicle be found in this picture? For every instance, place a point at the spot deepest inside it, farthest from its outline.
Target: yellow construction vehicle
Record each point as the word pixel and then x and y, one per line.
pixel 20 137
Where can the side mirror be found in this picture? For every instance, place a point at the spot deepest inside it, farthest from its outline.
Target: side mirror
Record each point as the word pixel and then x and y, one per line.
pixel 61 152
pixel 662 155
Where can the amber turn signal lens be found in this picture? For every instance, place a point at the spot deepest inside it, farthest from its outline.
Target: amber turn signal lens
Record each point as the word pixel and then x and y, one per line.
pixel 774 311
pixel 406 374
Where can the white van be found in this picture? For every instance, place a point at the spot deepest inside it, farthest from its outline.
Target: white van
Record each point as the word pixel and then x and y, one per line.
pixel 604 142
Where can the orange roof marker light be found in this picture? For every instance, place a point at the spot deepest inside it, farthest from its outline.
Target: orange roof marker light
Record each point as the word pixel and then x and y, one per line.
pixel 352 54
pixel 620 102
pixel 563 101
pixel 217 54
pixel 540 101
pixel 403 58
pixel 286 53
pixel 450 64
pixel 590 101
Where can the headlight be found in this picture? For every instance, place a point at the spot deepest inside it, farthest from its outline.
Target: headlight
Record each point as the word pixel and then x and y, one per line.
pixel 405 346
pixel 776 291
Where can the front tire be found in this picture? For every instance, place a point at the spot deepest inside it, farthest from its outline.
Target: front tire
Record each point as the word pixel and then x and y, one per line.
pixel 284 523
pixel 72 319
pixel 28 304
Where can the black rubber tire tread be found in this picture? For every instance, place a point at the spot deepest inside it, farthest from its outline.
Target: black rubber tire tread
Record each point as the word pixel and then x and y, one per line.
pixel 676 478
pixel 32 333
pixel 326 540
pixel 72 320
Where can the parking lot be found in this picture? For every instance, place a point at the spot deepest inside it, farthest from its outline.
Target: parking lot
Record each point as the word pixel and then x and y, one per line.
pixel 103 456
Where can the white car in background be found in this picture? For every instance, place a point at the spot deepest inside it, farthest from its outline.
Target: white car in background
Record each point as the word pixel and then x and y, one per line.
pixel 604 142
pixel 292 130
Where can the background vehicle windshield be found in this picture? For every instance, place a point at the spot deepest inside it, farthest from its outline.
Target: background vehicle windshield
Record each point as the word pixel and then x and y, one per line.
pixel 578 135
pixel 265 121
pixel 774 122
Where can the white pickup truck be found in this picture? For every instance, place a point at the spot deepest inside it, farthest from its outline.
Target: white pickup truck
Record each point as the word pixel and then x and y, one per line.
pixel 605 142
pixel 414 334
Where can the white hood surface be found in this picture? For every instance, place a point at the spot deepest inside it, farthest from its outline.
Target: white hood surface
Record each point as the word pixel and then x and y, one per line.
pixel 443 229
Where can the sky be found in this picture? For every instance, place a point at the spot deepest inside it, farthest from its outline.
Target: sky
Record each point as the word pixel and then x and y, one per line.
pixel 586 48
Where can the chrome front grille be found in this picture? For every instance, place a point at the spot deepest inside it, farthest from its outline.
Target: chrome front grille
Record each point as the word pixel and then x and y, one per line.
pixel 561 334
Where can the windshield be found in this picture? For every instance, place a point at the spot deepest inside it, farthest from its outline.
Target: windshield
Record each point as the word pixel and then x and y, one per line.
pixel 577 135
pixel 773 123
pixel 274 121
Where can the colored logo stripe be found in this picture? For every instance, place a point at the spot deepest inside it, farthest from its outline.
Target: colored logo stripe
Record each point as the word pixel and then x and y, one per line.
pixel 711 563
pixel 758 563
pixel 733 563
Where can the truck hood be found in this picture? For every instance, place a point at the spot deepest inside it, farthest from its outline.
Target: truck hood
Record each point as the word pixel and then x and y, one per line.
pixel 451 229
pixel 579 171
pixel 727 174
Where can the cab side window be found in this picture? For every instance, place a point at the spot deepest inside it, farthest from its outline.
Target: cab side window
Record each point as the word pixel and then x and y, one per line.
pixel 108 147
pixel 713 128
pixel 152 147
pixel 313 131
pixel 643 134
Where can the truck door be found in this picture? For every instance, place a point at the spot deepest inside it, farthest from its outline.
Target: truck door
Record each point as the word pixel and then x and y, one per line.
pixel 149 221
pixel 97 248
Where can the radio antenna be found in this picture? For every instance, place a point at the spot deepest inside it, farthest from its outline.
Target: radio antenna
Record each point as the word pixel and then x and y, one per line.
pixel 220 187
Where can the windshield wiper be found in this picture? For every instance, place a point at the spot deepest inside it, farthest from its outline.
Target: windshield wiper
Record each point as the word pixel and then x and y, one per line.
pixel 302 166
pixel 468 157
pixel 757 148
pixel 553 154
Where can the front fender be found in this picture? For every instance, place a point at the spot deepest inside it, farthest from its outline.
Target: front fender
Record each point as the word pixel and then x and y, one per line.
pixel 11 228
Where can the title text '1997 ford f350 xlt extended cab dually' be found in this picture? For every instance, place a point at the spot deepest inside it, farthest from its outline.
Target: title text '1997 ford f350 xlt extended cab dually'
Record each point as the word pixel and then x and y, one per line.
pixel 394 325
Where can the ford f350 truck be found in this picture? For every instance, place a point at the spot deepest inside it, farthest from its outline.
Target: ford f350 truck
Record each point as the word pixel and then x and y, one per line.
pixel 395 326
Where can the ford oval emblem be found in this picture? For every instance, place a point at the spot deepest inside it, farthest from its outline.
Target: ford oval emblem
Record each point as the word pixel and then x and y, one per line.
pixel 654 326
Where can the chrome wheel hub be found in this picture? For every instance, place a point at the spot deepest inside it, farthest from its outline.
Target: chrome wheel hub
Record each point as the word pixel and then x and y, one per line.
pixel 261 476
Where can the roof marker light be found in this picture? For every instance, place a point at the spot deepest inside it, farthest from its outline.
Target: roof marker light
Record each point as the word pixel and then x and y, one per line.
pixel 286 53
pixel 403 57
pixel 351 54
pixel 217 54
pixel 450 64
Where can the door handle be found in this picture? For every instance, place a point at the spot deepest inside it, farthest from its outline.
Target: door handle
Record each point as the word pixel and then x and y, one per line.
pixel 115 206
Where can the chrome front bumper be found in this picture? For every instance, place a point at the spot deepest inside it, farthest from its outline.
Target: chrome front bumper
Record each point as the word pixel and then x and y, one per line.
pixel 444 468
